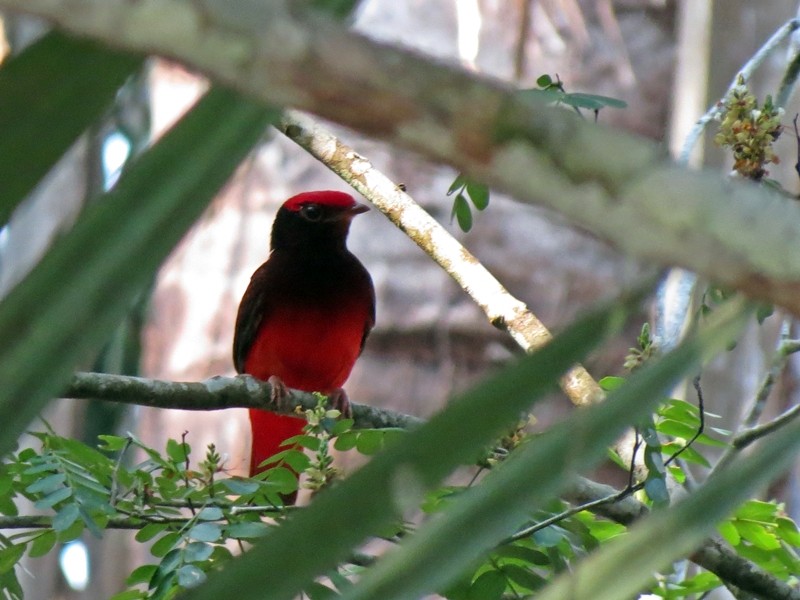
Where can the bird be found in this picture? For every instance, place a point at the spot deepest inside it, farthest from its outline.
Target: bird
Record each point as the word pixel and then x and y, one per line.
pixel 306 314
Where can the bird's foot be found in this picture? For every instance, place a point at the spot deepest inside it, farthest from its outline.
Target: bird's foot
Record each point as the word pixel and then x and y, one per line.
pixel 338 399
pixel 280 393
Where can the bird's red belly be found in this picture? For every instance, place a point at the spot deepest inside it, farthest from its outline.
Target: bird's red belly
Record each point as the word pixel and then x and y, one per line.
pixel 308 348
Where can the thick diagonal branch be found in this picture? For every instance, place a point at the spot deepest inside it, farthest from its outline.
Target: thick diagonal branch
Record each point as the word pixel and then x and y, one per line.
pixel 617 186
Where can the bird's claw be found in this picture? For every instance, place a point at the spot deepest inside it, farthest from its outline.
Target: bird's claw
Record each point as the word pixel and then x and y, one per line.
pixel 338 399
pixel 280 393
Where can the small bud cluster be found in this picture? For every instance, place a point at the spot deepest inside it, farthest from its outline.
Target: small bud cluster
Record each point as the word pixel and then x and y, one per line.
pixel 320 473
pixel 749 131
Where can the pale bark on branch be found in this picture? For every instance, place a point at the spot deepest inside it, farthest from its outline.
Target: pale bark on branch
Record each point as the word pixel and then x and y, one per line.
pixel 615 185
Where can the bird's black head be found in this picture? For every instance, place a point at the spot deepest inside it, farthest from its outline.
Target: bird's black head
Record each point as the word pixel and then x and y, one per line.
pixel 315 220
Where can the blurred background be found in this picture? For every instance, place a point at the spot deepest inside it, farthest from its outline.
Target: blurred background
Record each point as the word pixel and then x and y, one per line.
pixel 669 60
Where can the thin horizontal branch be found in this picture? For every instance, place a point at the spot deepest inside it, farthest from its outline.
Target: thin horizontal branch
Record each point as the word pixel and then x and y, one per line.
pixel 216 393
pixel 620 187
pixel 748 436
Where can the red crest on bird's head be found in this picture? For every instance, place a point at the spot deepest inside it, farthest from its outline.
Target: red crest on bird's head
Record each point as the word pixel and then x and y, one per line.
pixel 329 198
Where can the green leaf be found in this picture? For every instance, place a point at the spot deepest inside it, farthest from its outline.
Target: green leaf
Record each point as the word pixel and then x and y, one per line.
pixel 688 454
pixel 549 537
pixel 728 531
pixel 676 429
pixel 240 486
pixel 210 513
pixel 47 484
pixel 369 442
pixel 544 81
pixel 165 544
pixel 609 383
pixel 341 426
pixel 54 498
pixel 479 194
pixel 304 440
pixel 757 510
pixel 112 443
pixel 462 212
pixel 544 96
pixel 50 94
pixel 488 586
pixel 346 441
pixel 149 531
pixel 318 591
pixel 177 451
pixel 523 577
pixel 459 182
pixel 165 574
pixel 7 506
pixel 205 532
pixel 529 555
pixel 141 574
pixel 72 532
pixel 605 530
pixel 787 530
pixel 197 551
pixel 10 556
pixel 65 517
pixel 248 530
pixel 757 534
pixel 42 543
pixel 283 479
pixel 111 253
pixel 682 411
pixel 592 101
pixel 190 576
pixel 763 312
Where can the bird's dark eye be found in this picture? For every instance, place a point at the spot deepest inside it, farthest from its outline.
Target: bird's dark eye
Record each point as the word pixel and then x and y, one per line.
pixel 311 212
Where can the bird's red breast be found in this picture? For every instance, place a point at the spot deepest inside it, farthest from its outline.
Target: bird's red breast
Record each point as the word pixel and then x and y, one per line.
pixel 307 311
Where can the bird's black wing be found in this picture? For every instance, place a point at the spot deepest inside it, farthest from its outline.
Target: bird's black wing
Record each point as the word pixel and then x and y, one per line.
pixel 254 307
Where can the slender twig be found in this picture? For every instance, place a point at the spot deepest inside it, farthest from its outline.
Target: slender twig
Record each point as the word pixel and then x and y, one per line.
pixel 748 436
pixel 115 476
pixel 591 505
pixel 752 432
pixel 701 426
pixel 786 347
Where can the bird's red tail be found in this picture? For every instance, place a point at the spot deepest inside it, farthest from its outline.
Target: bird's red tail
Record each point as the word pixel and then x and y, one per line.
pixel 269 431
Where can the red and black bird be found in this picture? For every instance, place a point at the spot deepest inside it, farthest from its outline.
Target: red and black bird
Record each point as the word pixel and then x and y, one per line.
pixel 306 314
